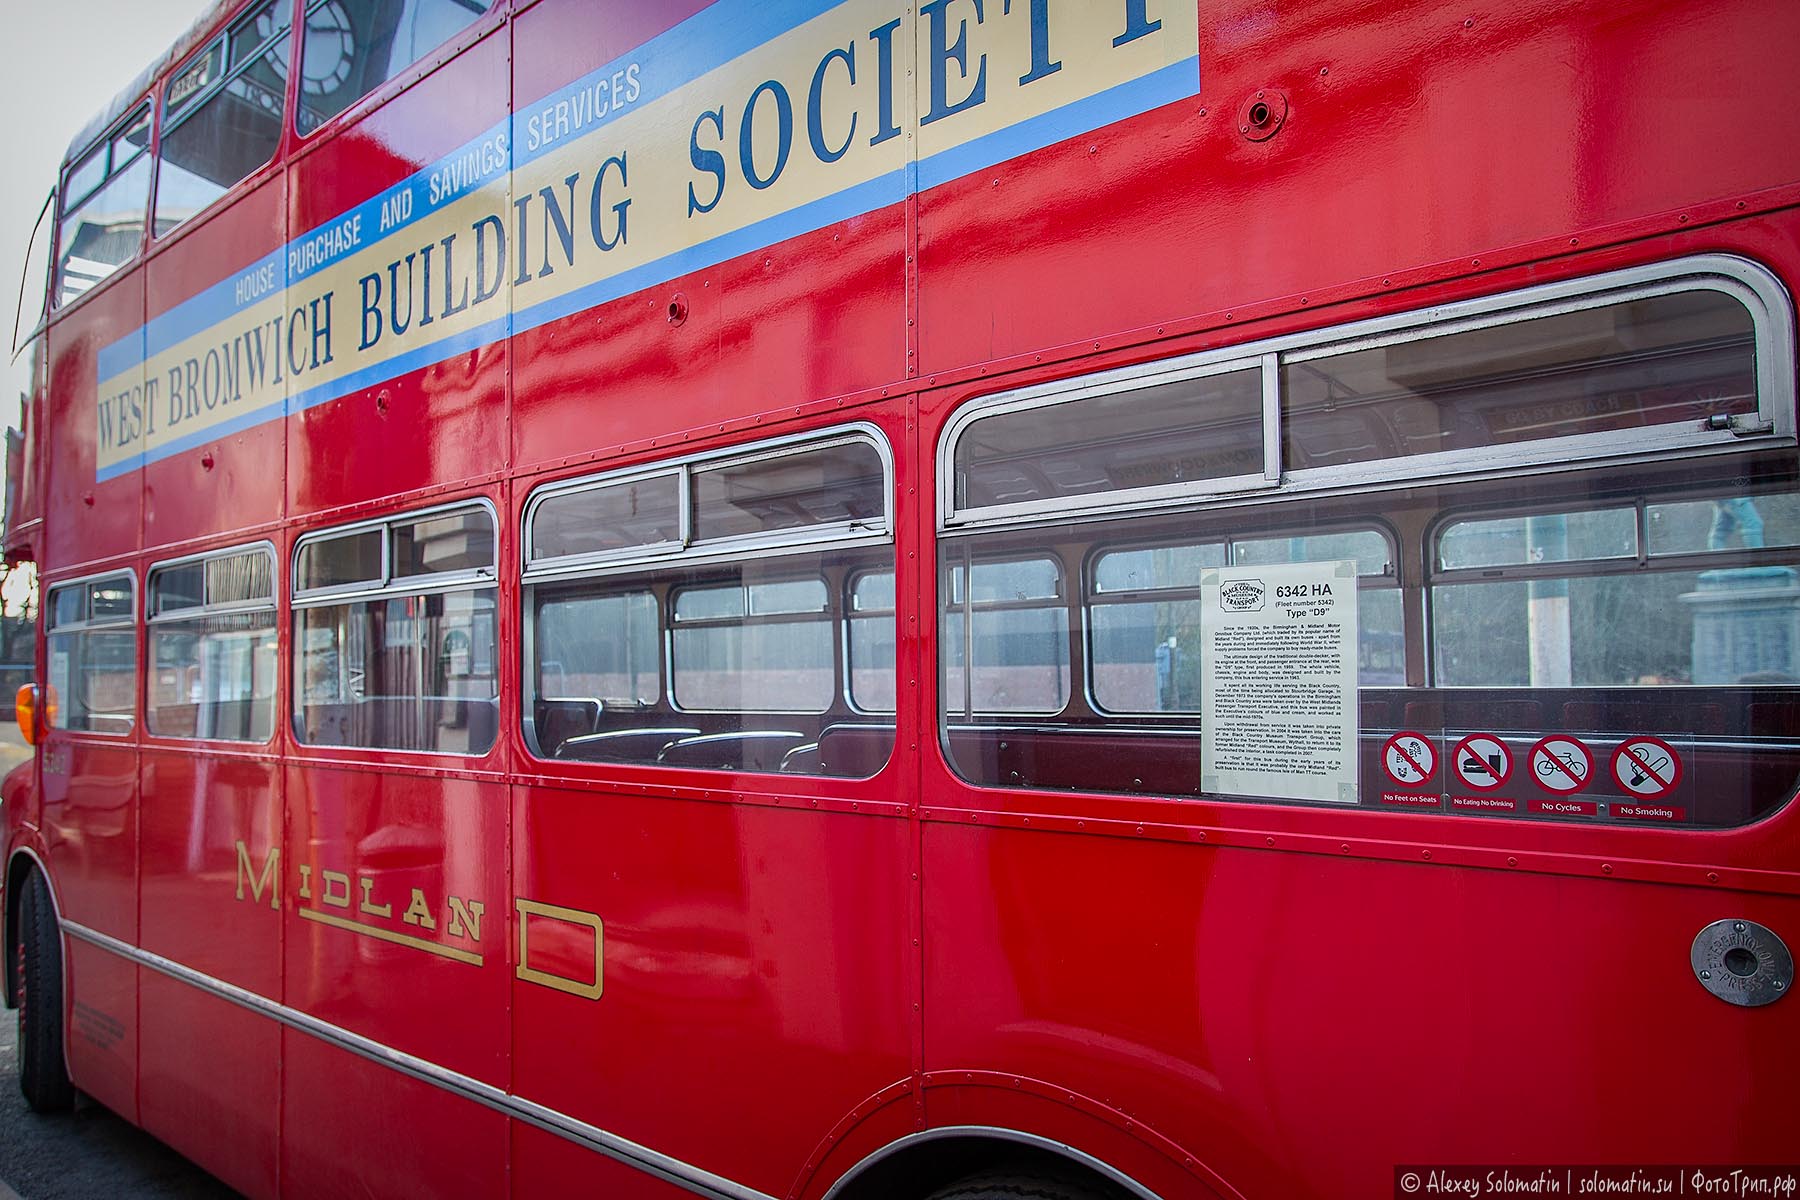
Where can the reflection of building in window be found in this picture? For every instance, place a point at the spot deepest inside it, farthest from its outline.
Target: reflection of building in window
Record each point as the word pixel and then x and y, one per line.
pixel 351 47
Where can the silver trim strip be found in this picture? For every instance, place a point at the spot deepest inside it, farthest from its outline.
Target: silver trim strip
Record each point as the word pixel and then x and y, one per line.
pixel 623 1150
pixel 1062 1149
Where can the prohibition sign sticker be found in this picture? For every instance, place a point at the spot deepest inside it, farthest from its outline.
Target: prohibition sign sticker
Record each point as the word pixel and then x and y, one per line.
pixel 1646 767
pixel 1408 759
pixel 1561 765
pixel 1481 761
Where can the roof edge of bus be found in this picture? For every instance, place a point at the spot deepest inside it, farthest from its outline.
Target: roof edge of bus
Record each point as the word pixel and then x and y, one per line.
pixel 131 93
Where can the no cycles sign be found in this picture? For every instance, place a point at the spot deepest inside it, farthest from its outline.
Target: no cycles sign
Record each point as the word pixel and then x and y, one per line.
pixel 1561 765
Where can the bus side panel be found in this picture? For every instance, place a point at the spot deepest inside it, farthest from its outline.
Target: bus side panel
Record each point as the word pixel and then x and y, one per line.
pixel 221 479
pixel 90 834
pixel 446 421
pixel 214 879
pixel 220 1109
pixel 1302 1046
pixel 546 1165
pixel 353 1128
pixel 1414 141
pixel 755 968
pixel 87 519
pixel 396 932
pixel 817 315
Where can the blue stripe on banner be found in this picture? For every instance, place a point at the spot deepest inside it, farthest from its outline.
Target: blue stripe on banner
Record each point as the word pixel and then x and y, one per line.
pixel 670 61
pixel 474 338
pixel 122 355
pixel 1140 95
pixel 866 197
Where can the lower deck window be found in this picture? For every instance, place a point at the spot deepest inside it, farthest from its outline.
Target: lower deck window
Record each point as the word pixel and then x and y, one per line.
pixel 731 612
pixel 395 638
pixel 92 646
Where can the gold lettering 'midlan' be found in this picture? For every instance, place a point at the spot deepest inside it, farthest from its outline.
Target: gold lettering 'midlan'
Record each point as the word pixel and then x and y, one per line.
pixel 419 913
pixel 368 904
pixel 335 880
pixel 465 919
pixel 352 889
pixel 270 877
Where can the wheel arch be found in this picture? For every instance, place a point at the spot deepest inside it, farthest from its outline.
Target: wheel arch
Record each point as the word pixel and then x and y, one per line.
pixel 923 1161
pixel 20 866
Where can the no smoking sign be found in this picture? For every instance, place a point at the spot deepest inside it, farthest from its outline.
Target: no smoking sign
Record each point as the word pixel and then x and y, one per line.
pixel 1646 767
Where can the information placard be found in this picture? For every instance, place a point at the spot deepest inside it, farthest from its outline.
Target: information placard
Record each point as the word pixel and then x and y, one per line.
pixel 1278 661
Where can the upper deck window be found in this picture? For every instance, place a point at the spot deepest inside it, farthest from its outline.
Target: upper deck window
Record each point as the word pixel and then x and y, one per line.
pixel 352 47
pixel 104 198
pixel 222 113
pixel 1667 359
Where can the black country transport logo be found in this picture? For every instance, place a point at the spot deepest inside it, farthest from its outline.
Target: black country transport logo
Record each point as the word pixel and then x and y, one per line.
pixel 1243 595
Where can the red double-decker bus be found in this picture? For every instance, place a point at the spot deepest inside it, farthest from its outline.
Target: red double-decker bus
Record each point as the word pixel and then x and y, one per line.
pixel 972 599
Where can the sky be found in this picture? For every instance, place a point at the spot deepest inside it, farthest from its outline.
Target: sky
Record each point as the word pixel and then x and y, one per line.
pixel 60 63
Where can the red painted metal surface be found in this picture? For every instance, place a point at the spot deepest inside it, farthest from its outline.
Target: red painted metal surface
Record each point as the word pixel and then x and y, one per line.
pixel 1211 998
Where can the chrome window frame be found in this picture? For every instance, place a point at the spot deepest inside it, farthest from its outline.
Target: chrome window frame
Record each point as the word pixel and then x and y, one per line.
pixel 192 103
pixel 824 535
pixel 388 584
pixel 635 560
pixel 205 608
pixel 1752 285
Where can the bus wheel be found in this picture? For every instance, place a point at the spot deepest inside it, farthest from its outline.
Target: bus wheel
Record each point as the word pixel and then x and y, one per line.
pixel 43 1076
pixel 1014 1185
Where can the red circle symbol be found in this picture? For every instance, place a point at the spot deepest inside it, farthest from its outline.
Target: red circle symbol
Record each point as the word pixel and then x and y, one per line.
pixel 1409 759
pixel 1482 762
pixel 1646 768
pixel 1560 764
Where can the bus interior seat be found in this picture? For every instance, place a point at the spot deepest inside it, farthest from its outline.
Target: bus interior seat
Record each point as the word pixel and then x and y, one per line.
pixel 560 718
pixel 855 751
pixel 803 760
pixel 622 745
pixel 744 750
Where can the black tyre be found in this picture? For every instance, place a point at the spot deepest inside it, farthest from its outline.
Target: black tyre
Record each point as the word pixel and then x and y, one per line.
pixel 1016 1185
pixel 43 1075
